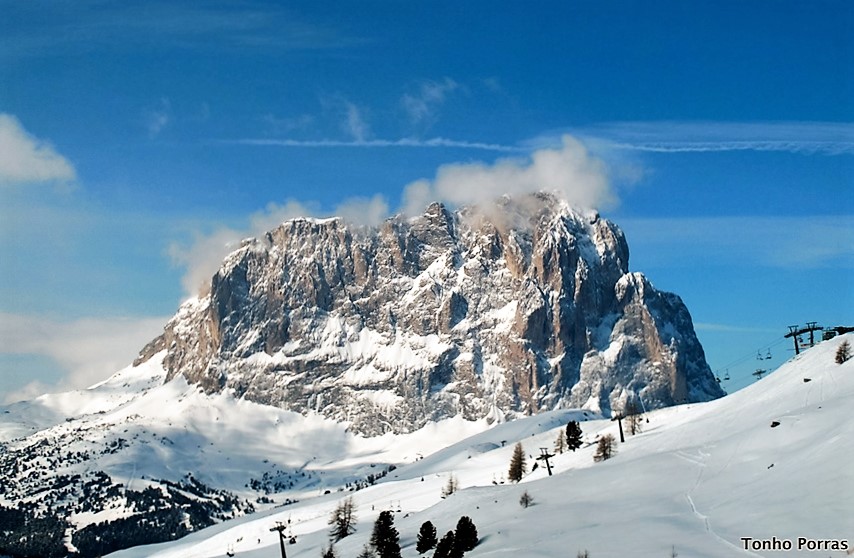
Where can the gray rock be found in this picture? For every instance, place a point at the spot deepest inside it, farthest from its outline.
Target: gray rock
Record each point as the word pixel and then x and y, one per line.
pixel 493 311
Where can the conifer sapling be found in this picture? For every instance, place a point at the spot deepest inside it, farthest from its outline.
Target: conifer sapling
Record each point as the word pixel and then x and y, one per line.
pixel 517 463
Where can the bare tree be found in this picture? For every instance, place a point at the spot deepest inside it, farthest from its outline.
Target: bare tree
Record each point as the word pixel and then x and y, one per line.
pixel 606 449
pixel 843 353
pixel 342 520
pixel 451 486
pixel 560 443
pixel 633 416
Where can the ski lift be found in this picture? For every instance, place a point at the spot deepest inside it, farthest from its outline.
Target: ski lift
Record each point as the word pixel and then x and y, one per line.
pixel 718 378
pixel 768 355
pixel 726 376
pixel 230 551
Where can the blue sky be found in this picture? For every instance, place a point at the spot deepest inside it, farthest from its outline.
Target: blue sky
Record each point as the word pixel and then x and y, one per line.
pixel 136 141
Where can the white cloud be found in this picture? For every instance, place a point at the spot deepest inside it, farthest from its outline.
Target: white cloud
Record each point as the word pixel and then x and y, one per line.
pixel 570 171
pixel 88 350
pixel 364 211
pixel 26 159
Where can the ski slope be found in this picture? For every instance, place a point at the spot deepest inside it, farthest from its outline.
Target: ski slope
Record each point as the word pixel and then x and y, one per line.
pixel 697 479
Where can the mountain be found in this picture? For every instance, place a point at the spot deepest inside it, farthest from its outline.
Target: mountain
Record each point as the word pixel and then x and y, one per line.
pixel 324 356
pixel 770 463
pixel 497 311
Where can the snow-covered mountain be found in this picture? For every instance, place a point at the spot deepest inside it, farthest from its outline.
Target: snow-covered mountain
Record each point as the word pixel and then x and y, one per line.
pixel 497 311
pixel 770 464
pixel 324 356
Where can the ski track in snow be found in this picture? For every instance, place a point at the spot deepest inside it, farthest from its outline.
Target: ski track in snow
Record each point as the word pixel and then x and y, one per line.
pixel 707 524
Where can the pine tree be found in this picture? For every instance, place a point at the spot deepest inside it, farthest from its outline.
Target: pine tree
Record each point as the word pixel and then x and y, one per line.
pixel 366 553
pixel 465 537
pixel 385 538
pixel 573 435
pixel 517 463
pixel 843 352
pixel 328 552
pixel 606 448
pixel 342 520
pixel 560 443
pixel 446 547
pixel 526 499
pixel 426 538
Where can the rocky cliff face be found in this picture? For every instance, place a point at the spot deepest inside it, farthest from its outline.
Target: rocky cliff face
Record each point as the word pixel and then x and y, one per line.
pixel 510 309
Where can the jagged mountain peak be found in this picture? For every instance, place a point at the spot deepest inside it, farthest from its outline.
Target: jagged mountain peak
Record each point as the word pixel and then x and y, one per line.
pixel 507 308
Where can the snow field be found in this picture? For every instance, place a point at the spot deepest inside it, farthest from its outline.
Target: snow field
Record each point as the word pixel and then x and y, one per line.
pixel 697 479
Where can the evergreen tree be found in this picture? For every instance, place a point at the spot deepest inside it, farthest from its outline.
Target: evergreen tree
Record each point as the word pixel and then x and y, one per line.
pixel 560 443
pixel 366 553
pixel 328 552
pixel 517 463
pixel 385 538
pixel 426 538
pixel 526 499
pixel 342 520
pixel 606 449
pixel 446 547
pixel 573 435
pixel 465 537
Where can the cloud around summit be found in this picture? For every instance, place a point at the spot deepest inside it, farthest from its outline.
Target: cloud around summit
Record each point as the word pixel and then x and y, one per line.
pixel 570 171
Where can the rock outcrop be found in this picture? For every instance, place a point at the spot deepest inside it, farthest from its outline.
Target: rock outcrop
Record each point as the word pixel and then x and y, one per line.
pixel 495 311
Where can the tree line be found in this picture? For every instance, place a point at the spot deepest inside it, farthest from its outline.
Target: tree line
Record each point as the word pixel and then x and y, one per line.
pixel 385 539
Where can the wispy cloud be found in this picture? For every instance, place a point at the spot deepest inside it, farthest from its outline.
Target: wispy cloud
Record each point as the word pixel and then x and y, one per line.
pixel 788 242
pixel 355 123
pixel 87 350
pixel 728 328
pixel 203 256
pixel 820 138
pixel 423 105
pixel 158 118
pixel 27 159
pixel 47 27
pixel 368 143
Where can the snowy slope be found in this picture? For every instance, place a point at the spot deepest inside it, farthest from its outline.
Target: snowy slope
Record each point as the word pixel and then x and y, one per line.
pixel 697 479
